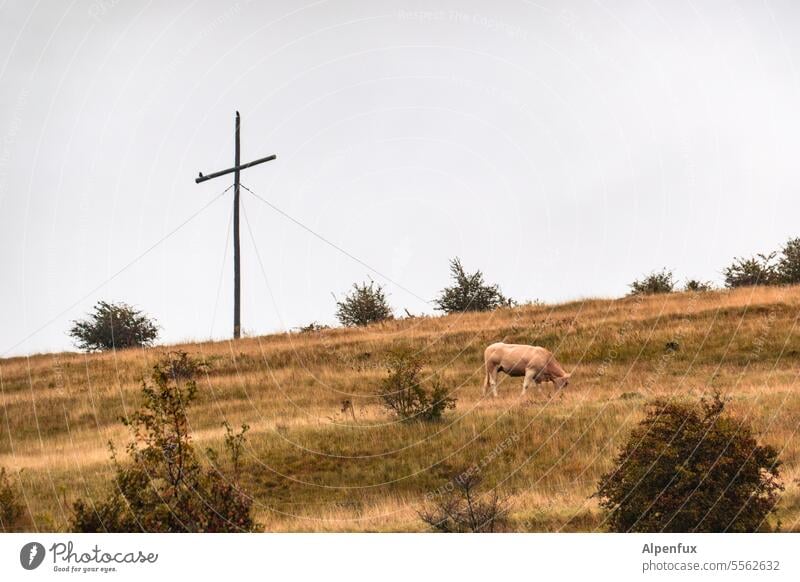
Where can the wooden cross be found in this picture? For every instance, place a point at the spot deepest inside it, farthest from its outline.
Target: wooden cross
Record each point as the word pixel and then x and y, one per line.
pixel 237 273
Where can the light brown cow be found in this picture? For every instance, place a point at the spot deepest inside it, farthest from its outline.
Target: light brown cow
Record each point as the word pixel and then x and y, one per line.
pixel 536 364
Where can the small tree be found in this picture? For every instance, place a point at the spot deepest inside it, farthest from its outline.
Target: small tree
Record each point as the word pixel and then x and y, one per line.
pixel 10 509
pixel 365 304
pixel 691 468
pixel 758 270
pixel 402 393
pixel 234 444
pixel 469 292
pixel 463 509
pixel 789 263
pixel 114 326
pixel 656 282
pixel 165 488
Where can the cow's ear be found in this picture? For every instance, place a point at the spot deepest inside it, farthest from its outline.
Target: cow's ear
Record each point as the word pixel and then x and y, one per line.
pixel 568 375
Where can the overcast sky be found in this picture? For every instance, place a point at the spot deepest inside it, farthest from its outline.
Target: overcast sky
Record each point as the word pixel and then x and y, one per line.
pixel 563 148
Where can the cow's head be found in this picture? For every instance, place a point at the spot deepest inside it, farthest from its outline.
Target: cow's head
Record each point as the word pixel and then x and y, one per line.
pixel 562 382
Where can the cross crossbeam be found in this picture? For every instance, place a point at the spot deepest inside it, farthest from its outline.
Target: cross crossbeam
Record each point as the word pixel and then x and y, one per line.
pixel 202 178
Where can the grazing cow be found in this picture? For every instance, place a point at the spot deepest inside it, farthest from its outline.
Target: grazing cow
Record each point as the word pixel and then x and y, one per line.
pixel 536 364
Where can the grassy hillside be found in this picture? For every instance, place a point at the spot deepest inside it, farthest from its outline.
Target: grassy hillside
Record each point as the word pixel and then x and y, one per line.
pixel 310 467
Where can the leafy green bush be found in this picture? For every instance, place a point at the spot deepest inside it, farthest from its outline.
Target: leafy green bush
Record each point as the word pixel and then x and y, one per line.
pixel 757 270
pixel 165 488
pixel 697 286
pixel 469 292
pixel 365 304
pixel 114 326
pixel 789 262
pixel 402 393
pixel 691 468
pixel 771 269
pixel 11 511
pixel 656 282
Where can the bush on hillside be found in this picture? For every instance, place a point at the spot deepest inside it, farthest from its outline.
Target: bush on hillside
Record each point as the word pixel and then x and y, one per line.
pixel 656 282
pixel 403 394
pixel 114 326
pixel 365 304
pixel 697 286
pixel 757 270
pixel 164 487
pixel 11 511
pixel 313 327
pixel 462 508
pixel 789 262
pixel 771 269
pixel 691 468
pixel 469 292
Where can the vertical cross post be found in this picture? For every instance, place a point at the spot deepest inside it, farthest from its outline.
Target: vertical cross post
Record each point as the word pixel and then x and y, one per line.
pixel 237 271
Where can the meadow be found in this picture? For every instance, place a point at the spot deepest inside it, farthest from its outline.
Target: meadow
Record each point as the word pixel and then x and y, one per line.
pixel 312 467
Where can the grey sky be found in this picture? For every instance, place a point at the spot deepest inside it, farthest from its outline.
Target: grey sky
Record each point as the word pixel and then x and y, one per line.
pixel 564 148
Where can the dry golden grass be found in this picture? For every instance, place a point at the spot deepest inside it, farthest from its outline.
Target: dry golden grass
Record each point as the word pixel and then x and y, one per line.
pixel 311 468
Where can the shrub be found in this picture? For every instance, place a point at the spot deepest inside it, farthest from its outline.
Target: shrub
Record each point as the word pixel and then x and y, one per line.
pixel 758 270
pixel 771 269
pixel 402 393
pixel 234 444
pixel 313 327
pixel 691 468
pixel 656 282
pixel 697 286
pixel 462 509
pixel 11 511
pixel 114 326
pixel 469 292
pixel 365 304
pixel 789 263
pixel 165 488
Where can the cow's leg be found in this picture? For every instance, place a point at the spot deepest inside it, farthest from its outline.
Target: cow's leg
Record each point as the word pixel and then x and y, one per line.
pixel 491 378
pixel 529 379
